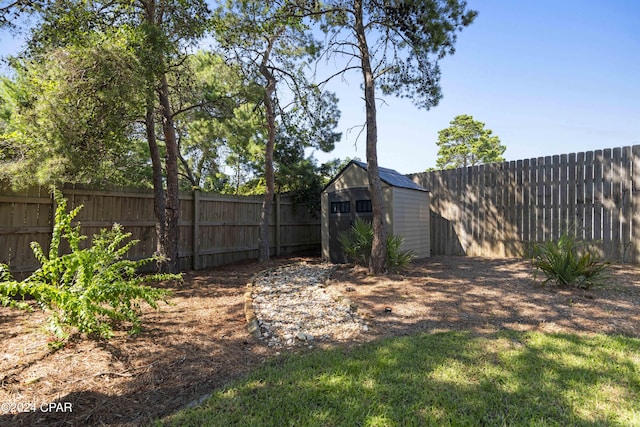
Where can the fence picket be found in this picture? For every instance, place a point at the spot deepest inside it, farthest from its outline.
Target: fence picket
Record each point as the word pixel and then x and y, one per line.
pixel 495 199
pixel 533 201
pixel 514 226
pixel 616 202
pixel 625 211
pixel 539 199
pixel 589 204
pixel 554 210
pixel 482 205
pixel 547 200
pixel 597 197
pixel 474 179
pixel 607 208
pixel 563 194
pixel 526 200
pixel 580 196
pixel 635 205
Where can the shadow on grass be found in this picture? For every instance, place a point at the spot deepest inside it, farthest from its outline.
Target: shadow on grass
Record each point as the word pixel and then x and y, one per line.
pixel 451 378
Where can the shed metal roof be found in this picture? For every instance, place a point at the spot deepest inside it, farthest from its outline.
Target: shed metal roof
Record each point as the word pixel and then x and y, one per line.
pixel 390 176
pixel 394 178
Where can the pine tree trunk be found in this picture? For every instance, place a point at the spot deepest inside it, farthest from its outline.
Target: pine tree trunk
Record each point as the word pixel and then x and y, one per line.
pixel 378 259
pixel 172 204
pixel 165 205
pixel 158 190
pixel 267 206
pixel 267 203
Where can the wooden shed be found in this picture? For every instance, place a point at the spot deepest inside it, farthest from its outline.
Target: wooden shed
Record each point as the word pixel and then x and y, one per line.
pixel 347 197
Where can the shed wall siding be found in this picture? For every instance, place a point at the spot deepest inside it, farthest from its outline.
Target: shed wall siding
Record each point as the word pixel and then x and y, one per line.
pixel 387 195
pixel 411 220
pixel 351 177
pixel 324 224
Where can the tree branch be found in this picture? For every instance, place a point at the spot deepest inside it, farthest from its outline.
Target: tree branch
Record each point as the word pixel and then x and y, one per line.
pixel 344 70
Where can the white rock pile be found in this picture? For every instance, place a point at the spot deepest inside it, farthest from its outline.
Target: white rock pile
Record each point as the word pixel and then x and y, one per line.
pixel 294 308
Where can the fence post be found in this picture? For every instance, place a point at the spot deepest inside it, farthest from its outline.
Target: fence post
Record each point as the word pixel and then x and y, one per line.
pixel 196 230
pixel 278 211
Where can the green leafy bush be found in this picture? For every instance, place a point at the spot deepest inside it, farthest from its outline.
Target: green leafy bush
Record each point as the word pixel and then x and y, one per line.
pixel 568 263
pixel 357 241
pixel 92 289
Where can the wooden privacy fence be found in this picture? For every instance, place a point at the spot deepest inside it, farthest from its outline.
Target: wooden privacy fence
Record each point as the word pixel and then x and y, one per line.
pixel 494 209
pixel 215 229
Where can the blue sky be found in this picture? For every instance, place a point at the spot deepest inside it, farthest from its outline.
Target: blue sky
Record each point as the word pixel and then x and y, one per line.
pixel 548 77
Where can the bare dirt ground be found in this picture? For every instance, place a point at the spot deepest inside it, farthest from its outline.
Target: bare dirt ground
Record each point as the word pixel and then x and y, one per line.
pixel 200 342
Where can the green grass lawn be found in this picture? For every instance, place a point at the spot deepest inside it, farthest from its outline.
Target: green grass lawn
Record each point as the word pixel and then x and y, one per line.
pixel 454 378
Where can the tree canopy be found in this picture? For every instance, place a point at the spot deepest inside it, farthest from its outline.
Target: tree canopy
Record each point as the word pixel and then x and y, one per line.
pixel 70 115
pixel 467 143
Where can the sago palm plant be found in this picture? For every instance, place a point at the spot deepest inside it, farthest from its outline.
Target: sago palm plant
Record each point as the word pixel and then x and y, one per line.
pixel 357 241
pixel 565 262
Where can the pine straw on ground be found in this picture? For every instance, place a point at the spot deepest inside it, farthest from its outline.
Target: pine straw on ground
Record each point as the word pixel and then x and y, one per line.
pixel 200 341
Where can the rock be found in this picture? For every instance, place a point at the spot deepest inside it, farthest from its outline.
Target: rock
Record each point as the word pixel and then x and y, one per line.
pixel 290 299
pixel 304 337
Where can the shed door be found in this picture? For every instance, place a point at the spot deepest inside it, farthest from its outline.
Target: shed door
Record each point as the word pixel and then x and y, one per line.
pixel 344 207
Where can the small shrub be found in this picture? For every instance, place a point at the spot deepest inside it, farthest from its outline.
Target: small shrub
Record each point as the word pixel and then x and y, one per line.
pixel 92 289
pixel 567 263
pixel 397 258
pixel 357 241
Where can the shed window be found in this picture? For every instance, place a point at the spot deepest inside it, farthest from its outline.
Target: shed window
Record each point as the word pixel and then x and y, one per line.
pixel 363 206
pixel 340 207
